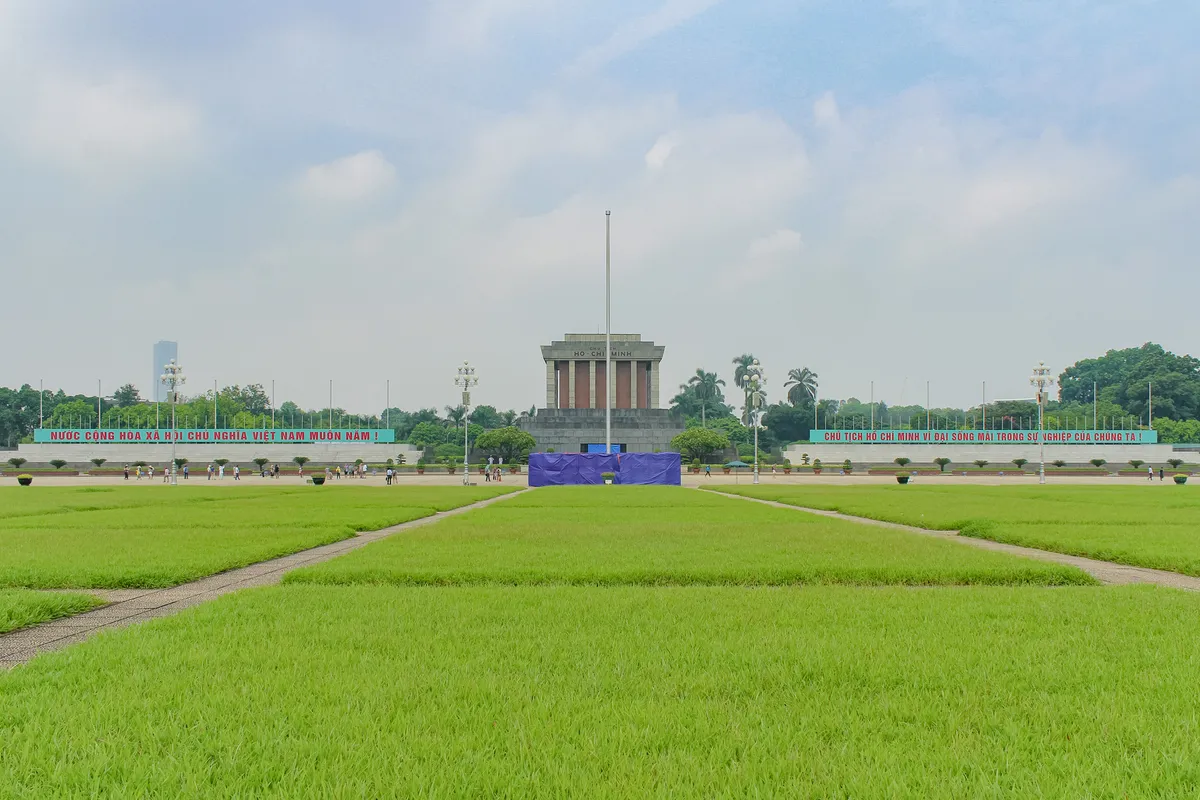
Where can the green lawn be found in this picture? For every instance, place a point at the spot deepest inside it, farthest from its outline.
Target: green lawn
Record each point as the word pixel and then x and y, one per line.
pixel 20 608
pixel 314 691
pixel 150 536
pixel 1150 526
pixel 667 536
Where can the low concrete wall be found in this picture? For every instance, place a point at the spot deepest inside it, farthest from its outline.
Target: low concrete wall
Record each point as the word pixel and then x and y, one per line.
pixel 993 453
pixel 80 455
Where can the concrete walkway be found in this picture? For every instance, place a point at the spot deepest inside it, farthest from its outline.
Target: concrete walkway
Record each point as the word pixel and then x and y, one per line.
pixel 1106 572
pixel 130 606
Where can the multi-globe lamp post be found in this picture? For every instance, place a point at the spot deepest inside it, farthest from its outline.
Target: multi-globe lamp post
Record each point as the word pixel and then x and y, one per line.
pixel 752 383
pixel 1041 380
pixel 466 379
pixel 173 378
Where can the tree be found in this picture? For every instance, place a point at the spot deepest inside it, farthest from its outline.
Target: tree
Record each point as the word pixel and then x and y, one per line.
pixel 179 462
pixel 1174 462
pixel 454 415
pixel 259 462
pixel 16 462
pixel 699 442
pixel 1124 377
pixel 427 434
pixel 487 417
pixel 902 461
pixel 1098 462
pixel 706 387
pixel 942 463
pixel 741 369
pixel 1134 462
pixel 1058 462
pixel 58 463
pixel 981 463
pixel 220 462
pixel 801 385
pixel 300 461
pixel 788 423
pixel 510 443
pixel 1020 462
pixel 507 418
pixel 99 462
pixel 127 396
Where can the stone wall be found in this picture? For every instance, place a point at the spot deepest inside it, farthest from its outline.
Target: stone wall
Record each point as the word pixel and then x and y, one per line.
pixel 565 430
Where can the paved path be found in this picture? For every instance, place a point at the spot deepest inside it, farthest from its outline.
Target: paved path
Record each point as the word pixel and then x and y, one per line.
pixel 1104 571
pixel 130 606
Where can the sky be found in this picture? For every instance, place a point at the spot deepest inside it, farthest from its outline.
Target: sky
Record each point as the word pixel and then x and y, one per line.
pixel 373 192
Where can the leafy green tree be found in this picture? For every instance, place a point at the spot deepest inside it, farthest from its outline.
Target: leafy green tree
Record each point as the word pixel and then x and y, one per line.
pixel 1098 462
pixel 942 463
pixel 427 434
pixel 454 415
pixel 801 385
pixel 300 461
pixel 981 463
pixel 1134 462
pixel 510 443
pixel 487 417
pixel 1174 462
pixel 98 462
pixel 1125 376
pixel 58 463
pixel 699 442
pixel 1020 462
pixel 787 422
pixel 16 462
pixel 902 461
pixel 127 396
pixel 258 462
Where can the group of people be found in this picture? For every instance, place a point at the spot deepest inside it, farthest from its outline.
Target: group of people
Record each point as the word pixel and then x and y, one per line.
pixel 492 471
pixel 347 471
pixel 149 472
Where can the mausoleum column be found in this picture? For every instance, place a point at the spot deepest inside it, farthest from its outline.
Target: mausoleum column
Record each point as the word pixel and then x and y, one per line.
pixel 551 386
pixel 654 384
pixel 571 383
pixel 592 384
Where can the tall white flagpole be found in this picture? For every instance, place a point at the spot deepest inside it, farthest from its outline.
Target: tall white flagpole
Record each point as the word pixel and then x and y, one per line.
pixel 608 376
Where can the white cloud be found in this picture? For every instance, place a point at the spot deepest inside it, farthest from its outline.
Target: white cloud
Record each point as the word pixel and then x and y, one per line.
pixel 781 242
pixel 657 155
pixel 350 178
pixel 825 111
pixel 109 124
pixel 636 32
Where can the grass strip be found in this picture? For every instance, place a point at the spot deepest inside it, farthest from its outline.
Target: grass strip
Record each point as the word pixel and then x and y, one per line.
pixel 687 692
pixel 655 536
pixel 1146 525
pixel 21 608
pixel 149 537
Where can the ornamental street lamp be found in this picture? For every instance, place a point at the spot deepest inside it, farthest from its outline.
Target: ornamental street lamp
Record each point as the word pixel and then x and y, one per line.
pixel 1040 380
pixel 752 383
pixel 466 379
pixel 172 378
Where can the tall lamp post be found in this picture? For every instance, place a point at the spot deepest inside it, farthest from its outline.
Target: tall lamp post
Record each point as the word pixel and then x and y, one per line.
pixel 1040 380
pixel 753 383
pixel 466 379
pixel 172 378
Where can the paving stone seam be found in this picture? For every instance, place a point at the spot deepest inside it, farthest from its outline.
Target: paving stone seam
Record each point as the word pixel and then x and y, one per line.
pixel 15 647
pixel 1107 572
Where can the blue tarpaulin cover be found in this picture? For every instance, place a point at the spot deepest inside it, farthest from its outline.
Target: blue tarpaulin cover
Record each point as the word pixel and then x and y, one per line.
pixel 573 469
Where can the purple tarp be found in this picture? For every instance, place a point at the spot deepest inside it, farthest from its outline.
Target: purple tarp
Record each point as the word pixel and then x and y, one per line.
pixel 572 469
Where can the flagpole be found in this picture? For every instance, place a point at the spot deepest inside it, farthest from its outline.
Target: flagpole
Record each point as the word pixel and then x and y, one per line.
pixel 608 376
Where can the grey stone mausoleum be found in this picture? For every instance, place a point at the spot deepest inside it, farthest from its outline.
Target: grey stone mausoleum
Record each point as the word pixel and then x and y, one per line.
pixel 578 390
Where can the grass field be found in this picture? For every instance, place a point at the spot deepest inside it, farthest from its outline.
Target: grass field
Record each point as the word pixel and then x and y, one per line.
pixel 150 536
pixel 632 692
pixel 1150 526
pixel 20 608
pixel 667 536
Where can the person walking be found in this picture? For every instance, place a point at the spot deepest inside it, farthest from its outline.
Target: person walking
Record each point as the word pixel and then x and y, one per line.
pixel 1150 474
pixel 126 472
pixel 209 470
pixel 220 472
pixel 185 472
pixel 167 475
pixel 1162 474
pixel 277 471
pixel 237 472
pixel 708 470
pixel 150 472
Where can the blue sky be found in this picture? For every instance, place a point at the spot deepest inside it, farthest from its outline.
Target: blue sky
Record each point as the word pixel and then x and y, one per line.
pixel 363 191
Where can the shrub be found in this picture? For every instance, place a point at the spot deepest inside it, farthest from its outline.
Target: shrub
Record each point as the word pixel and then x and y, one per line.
pixel 58 463
pixel 220 462
pixel 16 462
pixel 699 443
pixel 25 479
pixel 942 463
pixel 300 461
pixel 846 465
pixel 1180 479
pixel 99 462
pixel 391 463
pixel 259 462
pixel 1174 462
pixel 1020 462
pixel 1135 462
pixel 179 462
pixel 902 461
pixel 804 459
pixel 140 464
pixel 981 463
pixel 1098 462
pixel 318 479
pixel 1058 462
pixel 816 463
pixel 608 476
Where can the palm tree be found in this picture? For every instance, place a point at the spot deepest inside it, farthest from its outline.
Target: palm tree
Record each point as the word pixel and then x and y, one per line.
pixel 508 417
pixel 801 383
pixel 455 414
pixel 741 366
pixel 704 386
